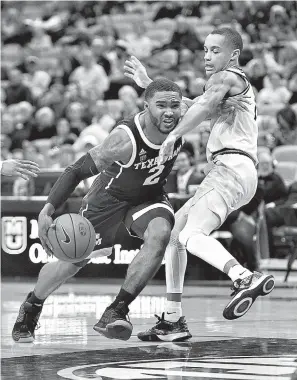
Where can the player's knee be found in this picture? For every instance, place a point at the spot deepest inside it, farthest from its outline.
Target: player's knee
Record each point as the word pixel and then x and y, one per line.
pixel 157 234
pixel 186 234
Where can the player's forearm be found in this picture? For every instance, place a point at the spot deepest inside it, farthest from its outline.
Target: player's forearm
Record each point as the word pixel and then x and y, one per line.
pixel 70 178
pixel 195 115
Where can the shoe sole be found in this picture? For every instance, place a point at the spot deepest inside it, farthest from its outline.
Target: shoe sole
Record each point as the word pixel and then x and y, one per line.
pixel 24 340
pixel 178 337
pixel 243 301
pixel 117 330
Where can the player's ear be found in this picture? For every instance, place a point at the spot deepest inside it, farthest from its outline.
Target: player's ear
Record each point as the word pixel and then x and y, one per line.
pixel 235 54
pixel 145 104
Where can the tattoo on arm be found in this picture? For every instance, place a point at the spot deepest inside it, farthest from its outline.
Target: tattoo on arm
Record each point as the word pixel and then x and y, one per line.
pixel 116 147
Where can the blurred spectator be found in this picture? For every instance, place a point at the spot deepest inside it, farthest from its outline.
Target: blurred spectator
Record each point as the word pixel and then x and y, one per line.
pixel 275 92
pixel 13 29
pixel 286 134
pixel 63 134
pixel 139 44
pixel 37 80
pixel 24 124
pixel 282 214
pixel 17 91
pixel 183 37
pixel 5 147
pixel 74 114
pixel 184 179
pixel 292 86
pixel 101 116
pixel 32 153
pixel 23 188
pixel 270 183
pixel 129 98
pixel 90 76
pixel 44 127
pixel 7 124
pixel 54 98
pixel 186 176
pixel 99 51
pixel 40 40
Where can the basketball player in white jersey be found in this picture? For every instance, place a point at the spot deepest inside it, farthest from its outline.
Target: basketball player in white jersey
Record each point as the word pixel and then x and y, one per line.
pixel 230 183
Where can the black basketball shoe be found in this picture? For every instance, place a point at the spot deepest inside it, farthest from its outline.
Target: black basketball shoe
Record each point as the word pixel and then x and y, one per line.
pixel 114 323
pixel 245 292
pixel 167 331
pixel 25 325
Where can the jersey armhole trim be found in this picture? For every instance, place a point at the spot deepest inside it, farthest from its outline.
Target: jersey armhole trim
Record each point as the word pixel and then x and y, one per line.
pixel 134 147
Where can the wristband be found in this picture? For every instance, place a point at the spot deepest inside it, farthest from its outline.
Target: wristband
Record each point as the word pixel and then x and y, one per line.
pixel 1 164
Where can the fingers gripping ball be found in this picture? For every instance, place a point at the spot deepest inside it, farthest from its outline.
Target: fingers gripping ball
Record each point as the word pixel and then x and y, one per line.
pixel 73 238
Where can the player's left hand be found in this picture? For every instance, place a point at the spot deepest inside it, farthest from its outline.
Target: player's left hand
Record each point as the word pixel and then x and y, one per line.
pixel 238 102
pixel 167 148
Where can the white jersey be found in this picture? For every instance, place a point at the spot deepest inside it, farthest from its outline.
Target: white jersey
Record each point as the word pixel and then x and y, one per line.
pixel 235 129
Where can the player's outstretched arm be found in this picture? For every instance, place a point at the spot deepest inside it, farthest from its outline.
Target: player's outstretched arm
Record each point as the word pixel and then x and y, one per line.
pixel 116 147
pixel 217 88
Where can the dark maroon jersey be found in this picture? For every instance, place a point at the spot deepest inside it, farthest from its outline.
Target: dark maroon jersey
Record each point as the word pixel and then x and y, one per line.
pixel 141 179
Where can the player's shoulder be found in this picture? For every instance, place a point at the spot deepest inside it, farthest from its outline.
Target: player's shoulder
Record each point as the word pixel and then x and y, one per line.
pixel 223 77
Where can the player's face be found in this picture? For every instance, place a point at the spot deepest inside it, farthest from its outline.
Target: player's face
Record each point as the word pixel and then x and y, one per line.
pixel 216 54
pixel 164 110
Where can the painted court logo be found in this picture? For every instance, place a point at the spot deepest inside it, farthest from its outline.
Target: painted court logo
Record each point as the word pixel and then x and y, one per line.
pixel 236 368
pixel 14 234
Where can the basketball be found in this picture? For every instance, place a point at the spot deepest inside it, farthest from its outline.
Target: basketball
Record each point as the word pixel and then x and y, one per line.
pixel 73 237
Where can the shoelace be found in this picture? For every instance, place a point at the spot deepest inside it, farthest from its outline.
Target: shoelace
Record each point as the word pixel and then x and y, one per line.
pixel 160 319
pixel 238 284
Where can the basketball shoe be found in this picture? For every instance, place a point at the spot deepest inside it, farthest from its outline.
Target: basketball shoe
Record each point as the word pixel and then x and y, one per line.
pixel 27 320
pixel 245 292
pixel 167 331
pixel 114 323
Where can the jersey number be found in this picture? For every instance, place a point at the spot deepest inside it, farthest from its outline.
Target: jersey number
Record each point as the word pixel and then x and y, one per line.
pixel 154 178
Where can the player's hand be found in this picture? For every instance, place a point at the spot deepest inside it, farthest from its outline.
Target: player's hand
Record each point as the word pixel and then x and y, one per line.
pixel 238 102
pixel 135 70
pixel 45 222
pixel 167 148
pixel 21 168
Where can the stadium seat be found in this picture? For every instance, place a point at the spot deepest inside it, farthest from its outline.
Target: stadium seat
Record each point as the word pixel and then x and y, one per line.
pixel 288 171
pixel 285 153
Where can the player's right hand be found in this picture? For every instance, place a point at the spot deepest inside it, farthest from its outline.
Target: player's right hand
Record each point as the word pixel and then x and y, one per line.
pixel 238 102
pixel 21 168
pixel 135 70
pixel 45 222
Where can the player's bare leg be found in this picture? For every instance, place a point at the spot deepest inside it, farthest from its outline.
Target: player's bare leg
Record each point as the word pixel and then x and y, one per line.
pixel 51 277
pixel 113 323
pixel 171 326
pixel 247 286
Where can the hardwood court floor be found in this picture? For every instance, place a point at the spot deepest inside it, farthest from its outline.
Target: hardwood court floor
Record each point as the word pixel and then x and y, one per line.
pixel 262 345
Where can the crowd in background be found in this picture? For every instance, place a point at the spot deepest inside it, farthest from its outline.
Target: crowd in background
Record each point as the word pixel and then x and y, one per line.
pixel 62 78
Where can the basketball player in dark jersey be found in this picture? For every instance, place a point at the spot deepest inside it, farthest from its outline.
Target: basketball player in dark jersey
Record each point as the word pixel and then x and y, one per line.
pixel 129 190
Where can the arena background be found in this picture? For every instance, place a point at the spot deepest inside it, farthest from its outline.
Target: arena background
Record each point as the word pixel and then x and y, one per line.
pixel 52 113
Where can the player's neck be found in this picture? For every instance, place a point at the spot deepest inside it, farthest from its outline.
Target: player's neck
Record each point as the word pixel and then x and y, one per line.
pixel 150 131
pixel 232 65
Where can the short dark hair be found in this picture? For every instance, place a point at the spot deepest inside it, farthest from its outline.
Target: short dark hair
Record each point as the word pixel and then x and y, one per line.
pixel 232 36
pixel 159 85
pixel 289 116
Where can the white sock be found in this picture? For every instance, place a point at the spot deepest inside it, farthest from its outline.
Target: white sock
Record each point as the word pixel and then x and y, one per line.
pixel 173 311
pixel 175 265
pixel 238 271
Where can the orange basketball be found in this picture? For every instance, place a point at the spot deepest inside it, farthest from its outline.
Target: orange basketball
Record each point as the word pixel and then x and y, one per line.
pixel 73 238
